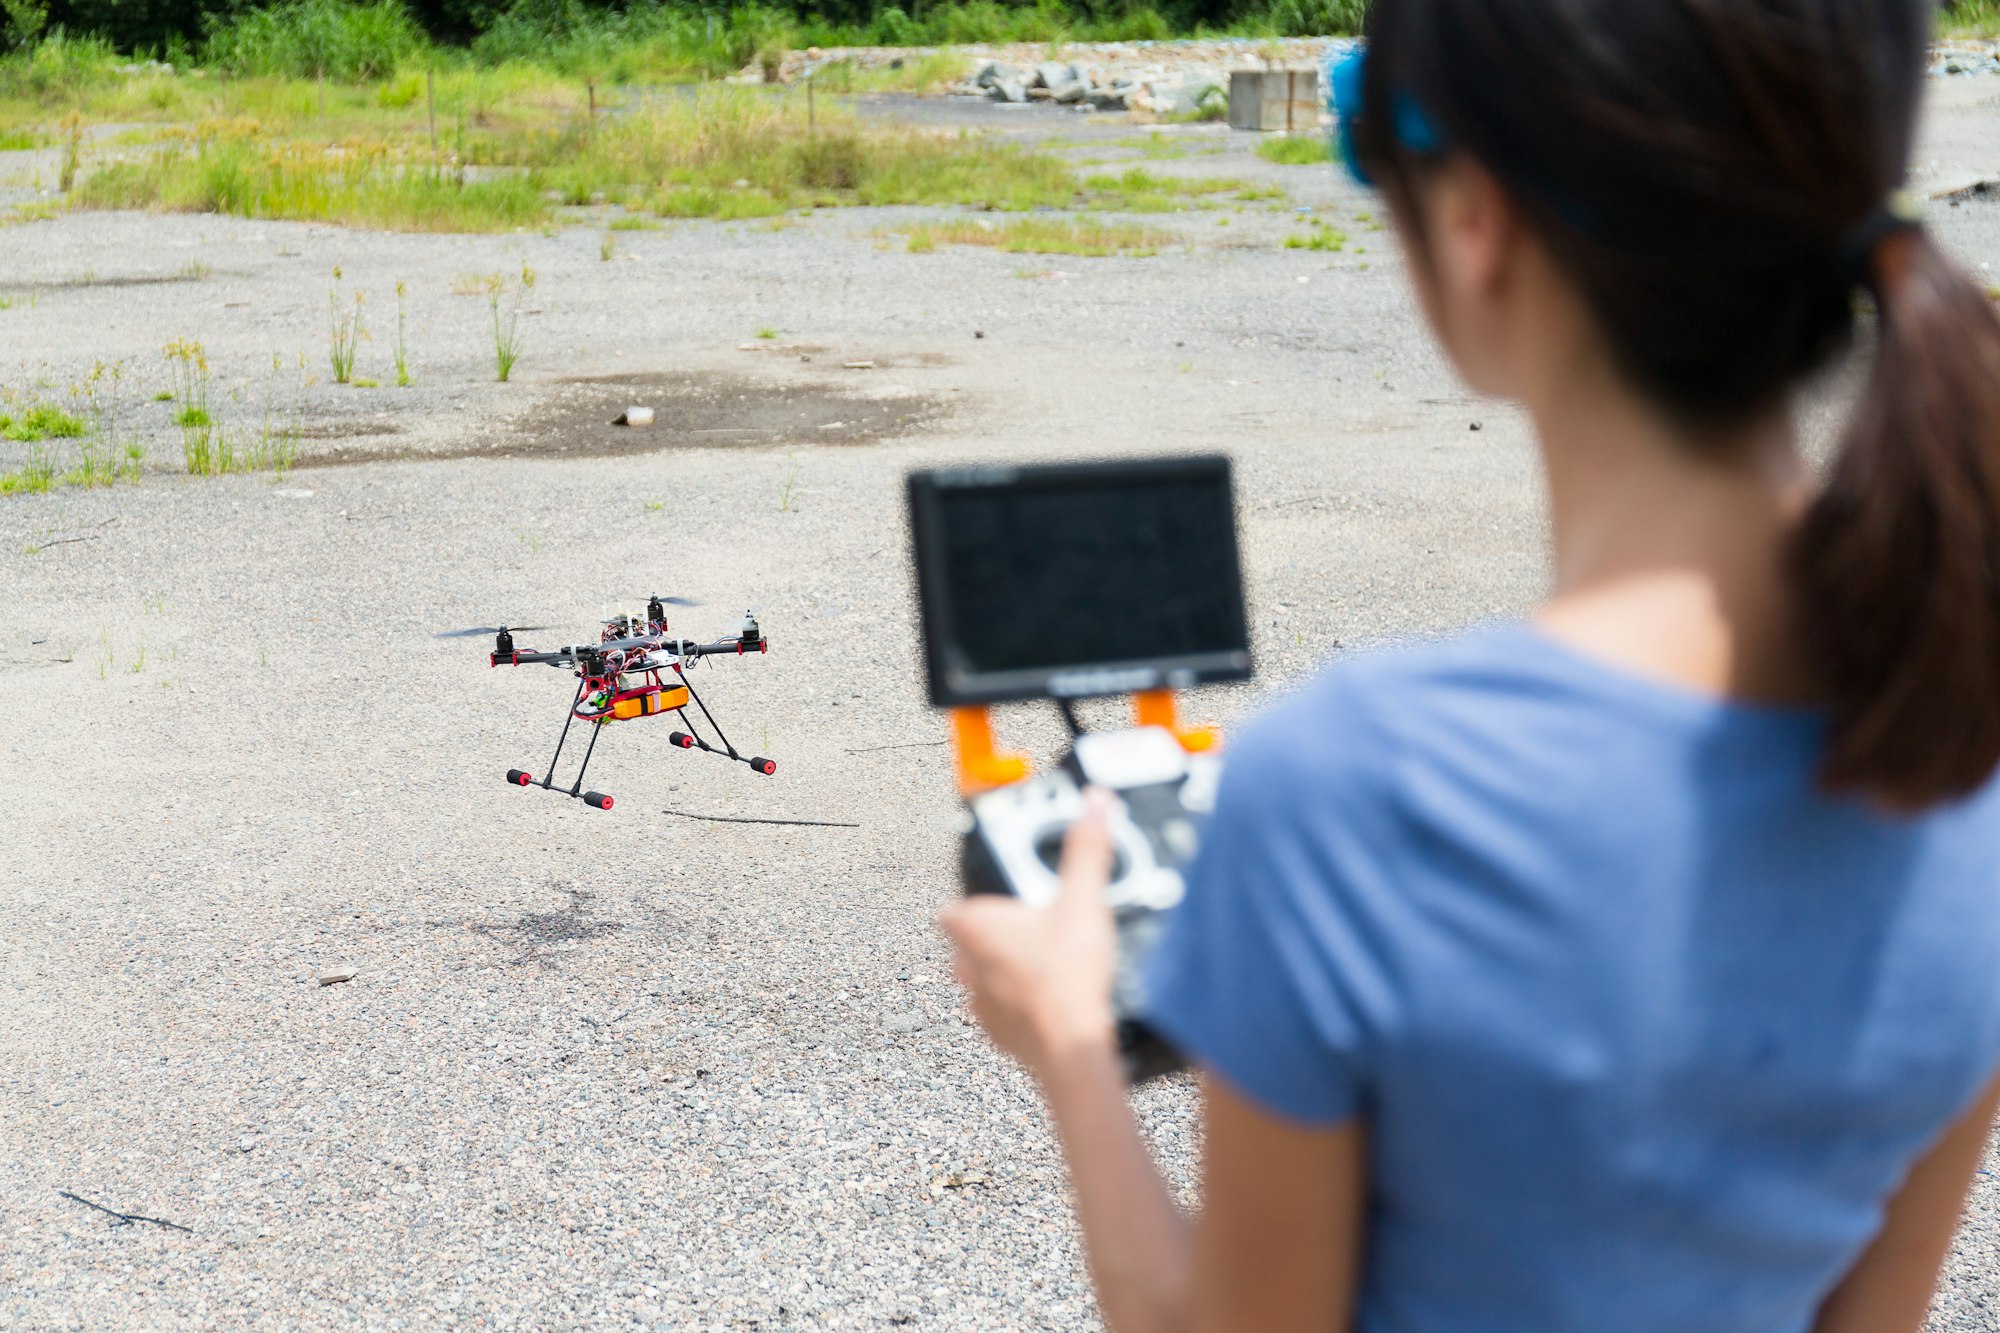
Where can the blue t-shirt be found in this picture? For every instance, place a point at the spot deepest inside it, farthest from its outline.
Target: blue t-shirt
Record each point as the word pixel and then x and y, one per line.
pixel 1645 1029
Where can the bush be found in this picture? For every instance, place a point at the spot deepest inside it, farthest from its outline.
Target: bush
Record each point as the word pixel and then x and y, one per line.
pixel 59 67
pixel 339 39
pixel 1316 18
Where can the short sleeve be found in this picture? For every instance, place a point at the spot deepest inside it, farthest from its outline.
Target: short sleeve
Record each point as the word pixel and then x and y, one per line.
pixel 1275 973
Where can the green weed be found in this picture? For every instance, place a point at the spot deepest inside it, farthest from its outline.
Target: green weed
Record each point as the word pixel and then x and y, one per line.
pixel 201 445
pixel 346 332
pixel 402 345
pixel 506 330
pixel 790 489
pixel 1318 237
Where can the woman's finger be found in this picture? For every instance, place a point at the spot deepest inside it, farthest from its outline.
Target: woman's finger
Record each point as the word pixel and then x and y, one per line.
pixel 1087 850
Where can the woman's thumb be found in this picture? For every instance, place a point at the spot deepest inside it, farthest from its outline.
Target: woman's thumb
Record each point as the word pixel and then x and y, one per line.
pixel 1087 850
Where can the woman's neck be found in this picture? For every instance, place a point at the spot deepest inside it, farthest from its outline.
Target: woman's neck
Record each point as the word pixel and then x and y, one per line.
pixel 1669 549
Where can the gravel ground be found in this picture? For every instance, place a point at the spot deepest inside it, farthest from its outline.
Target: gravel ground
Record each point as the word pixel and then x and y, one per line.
pixel 625 1068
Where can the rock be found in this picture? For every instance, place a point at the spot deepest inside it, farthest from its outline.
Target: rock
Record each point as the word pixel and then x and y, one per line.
pixel 904 1023
pixel 1105 99
pixel 1071 92
pixel 1051 73
pixel 635 416
pixel 1010 90
pixel 993 73
pixel 334 975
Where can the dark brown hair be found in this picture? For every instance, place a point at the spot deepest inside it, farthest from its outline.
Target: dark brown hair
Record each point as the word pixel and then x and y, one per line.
pixel 1712 174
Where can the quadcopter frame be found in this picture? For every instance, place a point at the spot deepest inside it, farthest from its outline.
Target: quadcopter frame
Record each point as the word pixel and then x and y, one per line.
pixel 605 696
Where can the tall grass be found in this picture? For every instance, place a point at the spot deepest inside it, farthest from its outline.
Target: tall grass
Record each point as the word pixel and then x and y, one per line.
pixel 316 39
pixel 234 169
pixel 721 153
pixel 730 152
pixel 1970 18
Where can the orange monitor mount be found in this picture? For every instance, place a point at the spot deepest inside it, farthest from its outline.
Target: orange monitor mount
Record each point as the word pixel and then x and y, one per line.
pixel 981 768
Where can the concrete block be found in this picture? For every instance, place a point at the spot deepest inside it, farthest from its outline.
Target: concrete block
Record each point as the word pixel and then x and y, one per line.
pixel 1274 99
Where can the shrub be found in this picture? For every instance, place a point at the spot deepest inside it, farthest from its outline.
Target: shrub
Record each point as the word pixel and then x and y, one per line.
pixel 352 40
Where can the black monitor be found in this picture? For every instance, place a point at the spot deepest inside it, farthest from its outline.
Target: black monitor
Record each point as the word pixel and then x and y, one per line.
pixel 1071 580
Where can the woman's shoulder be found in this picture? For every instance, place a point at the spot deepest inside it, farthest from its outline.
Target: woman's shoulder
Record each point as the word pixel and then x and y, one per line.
pixel 1500 683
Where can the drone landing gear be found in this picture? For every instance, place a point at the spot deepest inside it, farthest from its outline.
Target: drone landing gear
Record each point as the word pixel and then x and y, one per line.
pixel 596 800
pixel 691 739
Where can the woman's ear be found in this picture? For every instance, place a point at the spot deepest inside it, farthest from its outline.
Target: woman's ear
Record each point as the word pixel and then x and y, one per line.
pixel 1468 269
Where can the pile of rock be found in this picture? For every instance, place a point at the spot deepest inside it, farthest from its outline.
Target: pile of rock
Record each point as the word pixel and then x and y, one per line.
pixel 1955 59
pixel 1090 87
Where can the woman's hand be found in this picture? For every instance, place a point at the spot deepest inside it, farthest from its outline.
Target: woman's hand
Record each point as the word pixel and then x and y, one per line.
pixel 1040 977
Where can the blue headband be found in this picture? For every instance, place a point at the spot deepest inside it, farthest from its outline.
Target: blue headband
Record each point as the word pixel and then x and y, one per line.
pixel 1345 97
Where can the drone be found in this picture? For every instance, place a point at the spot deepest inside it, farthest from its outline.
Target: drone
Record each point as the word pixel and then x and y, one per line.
pixel 624 677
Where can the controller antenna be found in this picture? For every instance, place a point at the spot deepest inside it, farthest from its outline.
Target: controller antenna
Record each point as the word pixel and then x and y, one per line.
pixel 1069 718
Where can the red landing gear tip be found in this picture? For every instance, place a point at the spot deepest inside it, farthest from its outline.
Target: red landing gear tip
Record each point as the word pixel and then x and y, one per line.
pixel 516 777
pixel 765 766
pixel 682 739
pixel 597 799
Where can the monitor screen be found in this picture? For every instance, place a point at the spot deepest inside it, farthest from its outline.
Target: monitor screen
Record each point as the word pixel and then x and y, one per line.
pixel 1083 579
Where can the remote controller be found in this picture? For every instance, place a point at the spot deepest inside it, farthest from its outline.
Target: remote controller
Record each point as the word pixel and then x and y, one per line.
pixel 1014 844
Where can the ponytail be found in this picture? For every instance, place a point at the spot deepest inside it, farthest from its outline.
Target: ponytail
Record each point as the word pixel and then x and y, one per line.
pixel 1897 564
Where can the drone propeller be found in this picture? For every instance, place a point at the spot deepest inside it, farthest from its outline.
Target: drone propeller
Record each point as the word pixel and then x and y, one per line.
pixel 484 631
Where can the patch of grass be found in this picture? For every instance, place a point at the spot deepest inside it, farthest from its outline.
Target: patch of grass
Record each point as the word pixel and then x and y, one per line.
pixel 1317 237
pixel 1043 236
pixel 194 270
pixel 636 223
pixel 767 333
pixel 35 476
pixel 1156 146
pixel 918 72
pixel 41 421
pixel 21 141
pixel 1140 191
pixel 236 169
pixel 731 154
pixel 1296 150
pixel 727 153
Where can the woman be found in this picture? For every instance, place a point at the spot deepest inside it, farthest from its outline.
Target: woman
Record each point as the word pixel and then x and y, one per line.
pixel 1636 967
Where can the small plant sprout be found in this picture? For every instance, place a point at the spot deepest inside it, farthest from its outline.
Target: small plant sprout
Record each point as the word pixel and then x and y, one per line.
pixel 790 490
pixel 402 345
pixel 347 332
pixel 607 248
pixel 506 335
pixel 767 333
